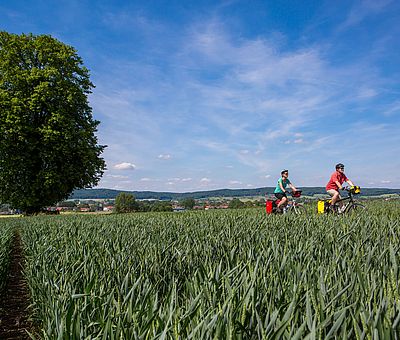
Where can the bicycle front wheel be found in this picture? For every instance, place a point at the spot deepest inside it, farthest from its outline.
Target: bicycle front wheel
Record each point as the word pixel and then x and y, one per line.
pixel 355 208
pixel 299 209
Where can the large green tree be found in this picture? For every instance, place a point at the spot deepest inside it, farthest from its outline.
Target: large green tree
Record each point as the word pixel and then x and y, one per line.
pixel 125 203
pixel 236 204
pixel 48 145
pixel 188 203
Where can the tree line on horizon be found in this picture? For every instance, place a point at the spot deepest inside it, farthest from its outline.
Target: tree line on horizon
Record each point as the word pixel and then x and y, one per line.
pixel 126 203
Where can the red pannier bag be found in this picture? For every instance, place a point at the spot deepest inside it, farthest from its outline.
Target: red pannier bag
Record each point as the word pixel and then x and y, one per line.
pixel 268 207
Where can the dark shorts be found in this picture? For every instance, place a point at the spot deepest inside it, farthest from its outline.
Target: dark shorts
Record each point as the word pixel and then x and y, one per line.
pixel 279 196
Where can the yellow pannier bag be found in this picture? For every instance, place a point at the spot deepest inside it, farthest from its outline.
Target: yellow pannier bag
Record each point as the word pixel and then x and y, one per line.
pixel 321 207
pixel 356 189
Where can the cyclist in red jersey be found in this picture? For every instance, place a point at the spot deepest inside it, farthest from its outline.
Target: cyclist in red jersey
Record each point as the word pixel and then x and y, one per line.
pixel 335 184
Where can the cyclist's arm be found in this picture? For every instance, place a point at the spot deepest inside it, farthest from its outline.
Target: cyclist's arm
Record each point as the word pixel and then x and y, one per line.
pixel 350 183
pixel 292 187
pixel 281 185
pixel 339 185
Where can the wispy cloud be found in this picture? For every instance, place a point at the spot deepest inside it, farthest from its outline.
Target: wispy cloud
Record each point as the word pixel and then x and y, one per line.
pixel 223 99
pixel 366 93
pixel 117 176
pixel 362 9
pixel 196 96
pixel 258 96
pixel 392 109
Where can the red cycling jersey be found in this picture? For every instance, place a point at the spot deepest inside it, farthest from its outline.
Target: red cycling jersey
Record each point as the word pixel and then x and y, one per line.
pixel 336 176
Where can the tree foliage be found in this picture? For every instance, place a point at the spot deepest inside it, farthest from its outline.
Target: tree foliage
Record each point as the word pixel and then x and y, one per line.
pixel 161 206
pixel 236 204
pixel 48 145
pixel 188 203
pixel 125 203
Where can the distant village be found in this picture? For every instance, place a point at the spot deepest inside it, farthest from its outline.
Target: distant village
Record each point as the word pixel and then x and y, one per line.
pixel 108 205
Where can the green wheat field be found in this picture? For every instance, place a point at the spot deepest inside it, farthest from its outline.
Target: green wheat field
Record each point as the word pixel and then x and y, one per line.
pixel 227 274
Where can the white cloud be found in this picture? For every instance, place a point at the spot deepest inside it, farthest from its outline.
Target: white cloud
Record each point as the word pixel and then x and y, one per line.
pixel 235 182
pixel 145 179
pixel 205 180
pixel 125 166
pixel 267 176
pixel 298 141
pixel 164 156
pixel 186 179
pixel 386 182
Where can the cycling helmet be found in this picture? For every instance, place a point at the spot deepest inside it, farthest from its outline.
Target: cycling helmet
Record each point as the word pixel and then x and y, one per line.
pixel 283 171
pixel 339 166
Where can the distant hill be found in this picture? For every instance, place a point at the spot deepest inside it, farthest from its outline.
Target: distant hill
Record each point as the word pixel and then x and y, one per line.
pixel 308 191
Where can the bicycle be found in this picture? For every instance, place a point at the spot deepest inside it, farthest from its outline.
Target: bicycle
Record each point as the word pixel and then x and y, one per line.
pixel 293 206
pixel 350 206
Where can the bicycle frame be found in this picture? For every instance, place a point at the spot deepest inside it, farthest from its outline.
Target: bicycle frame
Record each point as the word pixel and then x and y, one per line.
pixel 349 198
pixel 295 206
pixel 291 205
pixel 293 201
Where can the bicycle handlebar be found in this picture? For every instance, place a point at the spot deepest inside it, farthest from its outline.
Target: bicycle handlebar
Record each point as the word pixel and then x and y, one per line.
pixel 296 193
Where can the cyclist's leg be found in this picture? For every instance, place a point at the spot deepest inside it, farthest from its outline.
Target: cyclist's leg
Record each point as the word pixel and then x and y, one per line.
pixel 335 196
pixel 283 201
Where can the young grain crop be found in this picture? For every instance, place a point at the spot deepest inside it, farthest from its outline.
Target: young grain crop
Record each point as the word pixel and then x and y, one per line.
pixel 6 234
pixel 216 274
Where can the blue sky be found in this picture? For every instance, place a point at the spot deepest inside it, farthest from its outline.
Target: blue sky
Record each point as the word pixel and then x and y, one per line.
pixel 201 95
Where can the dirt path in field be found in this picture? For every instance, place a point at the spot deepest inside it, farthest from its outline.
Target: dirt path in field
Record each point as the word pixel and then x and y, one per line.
pixel 14 301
